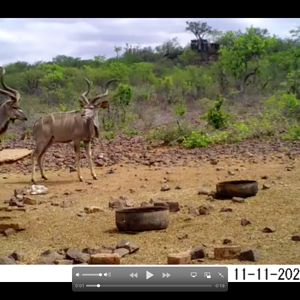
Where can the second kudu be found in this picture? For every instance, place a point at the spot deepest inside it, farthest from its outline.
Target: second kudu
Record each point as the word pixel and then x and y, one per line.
pixel 64 127
pixel 9 109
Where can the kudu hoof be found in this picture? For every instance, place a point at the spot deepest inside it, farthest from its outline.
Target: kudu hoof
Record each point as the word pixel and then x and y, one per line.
pixel 94 177
pixel 81 179
pixel 45 177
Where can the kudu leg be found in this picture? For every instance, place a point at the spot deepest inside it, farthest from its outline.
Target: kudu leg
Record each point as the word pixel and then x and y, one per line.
pixel 77 158
pixel 40 159
pixel 88 151
pixel 2 143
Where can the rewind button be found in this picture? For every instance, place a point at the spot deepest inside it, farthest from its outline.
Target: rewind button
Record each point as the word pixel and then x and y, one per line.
pixel 166 275
pixel 134 275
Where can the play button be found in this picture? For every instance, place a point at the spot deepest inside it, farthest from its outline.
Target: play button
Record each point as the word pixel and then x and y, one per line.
pixel 148 275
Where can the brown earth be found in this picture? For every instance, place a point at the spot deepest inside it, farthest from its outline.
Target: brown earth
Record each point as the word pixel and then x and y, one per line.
pixel 128 166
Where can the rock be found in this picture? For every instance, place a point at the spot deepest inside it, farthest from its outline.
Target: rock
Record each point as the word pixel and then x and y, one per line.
pixel 146 204
pixel 197 253
pixel 121 251
pixel 9 231
pixel 173 206
pixel 63 262
pixel 15 202
pixel 104 251
pixel 18 255
pixel 105 259
pixel 269 229
pixel 16 226
pixel 51 255
pixel 160 203
pixel 230 172
pixel 110 246
pixel 226 209
pixel 266 186
pixel 177 187
pixel 38 190
pixel 296 238
pixel 204 209
pixel 181 258
pixel 93 209
pixel 90 251
pixel 227 252
pixel 219 168
pixel 7 261
pixel 238 200
pixel 128 245
pixel 117 203
pixel 77 255
pixel 82 214
pixel 249 255
pixel 30 201
pixel 203 192
pixel 264 177
pixel 165 188
pixel 193 211
pixel 66 203
pixel 182 236
pixel 245 222
pixel 227 241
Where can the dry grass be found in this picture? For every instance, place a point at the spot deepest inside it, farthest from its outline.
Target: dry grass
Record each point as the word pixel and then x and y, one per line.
pixel 278 206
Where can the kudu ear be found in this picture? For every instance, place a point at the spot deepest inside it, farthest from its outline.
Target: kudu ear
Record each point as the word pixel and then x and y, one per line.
pixel 103 104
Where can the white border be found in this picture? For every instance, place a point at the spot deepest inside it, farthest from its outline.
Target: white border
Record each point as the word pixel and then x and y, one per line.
pixel 63 273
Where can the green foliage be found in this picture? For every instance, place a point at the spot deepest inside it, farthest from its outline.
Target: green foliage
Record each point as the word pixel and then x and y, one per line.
pixel 180 109
pixel 217 116
pixel 196 139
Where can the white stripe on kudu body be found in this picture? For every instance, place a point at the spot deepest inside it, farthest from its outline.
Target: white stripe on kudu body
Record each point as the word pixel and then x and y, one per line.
pixel 64 127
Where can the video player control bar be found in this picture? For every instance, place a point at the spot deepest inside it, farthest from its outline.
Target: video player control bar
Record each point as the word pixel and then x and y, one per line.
pixel 110 278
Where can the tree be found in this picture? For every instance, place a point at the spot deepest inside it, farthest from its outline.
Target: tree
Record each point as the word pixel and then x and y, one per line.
pixel 242 56
pixel 199 29
pixel 117 50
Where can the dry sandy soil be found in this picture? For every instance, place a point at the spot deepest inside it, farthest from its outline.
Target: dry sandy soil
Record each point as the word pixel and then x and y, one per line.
pixel 139 173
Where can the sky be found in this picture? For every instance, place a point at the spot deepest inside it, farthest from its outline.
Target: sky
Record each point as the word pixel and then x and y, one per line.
pixel 41 39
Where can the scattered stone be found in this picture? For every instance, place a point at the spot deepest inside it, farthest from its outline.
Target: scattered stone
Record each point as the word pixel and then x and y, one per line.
pixel 93 209
pixel 269 229
pixel 245 222
pixel 193 211
pixel 187 219
pixel 165 188
pixel 51 255
pixel 55 204
pixel 238 200
pixel 266 186
pixel 16 226
pixel 181 258
pixel 66 193
pixel 230 172
pixel 197 253
pixel 227 252
pixel 132 247
pixel 121 251
pixel 177 187
pixel 63 262
pixel 205 209
pixel 38 190
pixel 110 246
pixel 105 259
pixel 296 238
pixel 15 202
pixel 18 255
pixel 183 236
pixel 77 255
pixel 160 203
pixel 7 261
pixel 227 241
pixel 264 177
pixel 203 192
pixel 226 209
pixel 173 206
pixel 146 204
pixel 116 203
pixel 9 231
pixel 104 251
pixel 82 214
pixel 30 200
pixel 66 203
pixel 219 168
pixel 249 255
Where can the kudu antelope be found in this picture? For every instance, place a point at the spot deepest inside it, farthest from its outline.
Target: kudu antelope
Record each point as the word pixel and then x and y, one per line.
pixel 9 109
pixel 64 127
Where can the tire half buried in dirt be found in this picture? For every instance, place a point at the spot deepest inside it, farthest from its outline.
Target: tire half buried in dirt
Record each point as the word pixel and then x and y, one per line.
pixel 142 218
pixel 237 188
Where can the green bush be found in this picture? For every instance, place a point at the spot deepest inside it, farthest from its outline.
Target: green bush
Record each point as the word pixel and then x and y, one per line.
pixel 196 139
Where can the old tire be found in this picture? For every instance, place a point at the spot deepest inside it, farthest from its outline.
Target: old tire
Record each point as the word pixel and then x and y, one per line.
pixel 142 218
pixel 236 188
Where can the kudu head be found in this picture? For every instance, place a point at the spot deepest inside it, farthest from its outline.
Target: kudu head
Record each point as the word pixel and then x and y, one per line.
pixel 11 106
pixel 89 108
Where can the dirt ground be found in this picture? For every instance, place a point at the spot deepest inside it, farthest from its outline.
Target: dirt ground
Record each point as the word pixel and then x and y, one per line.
pixel 278 206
